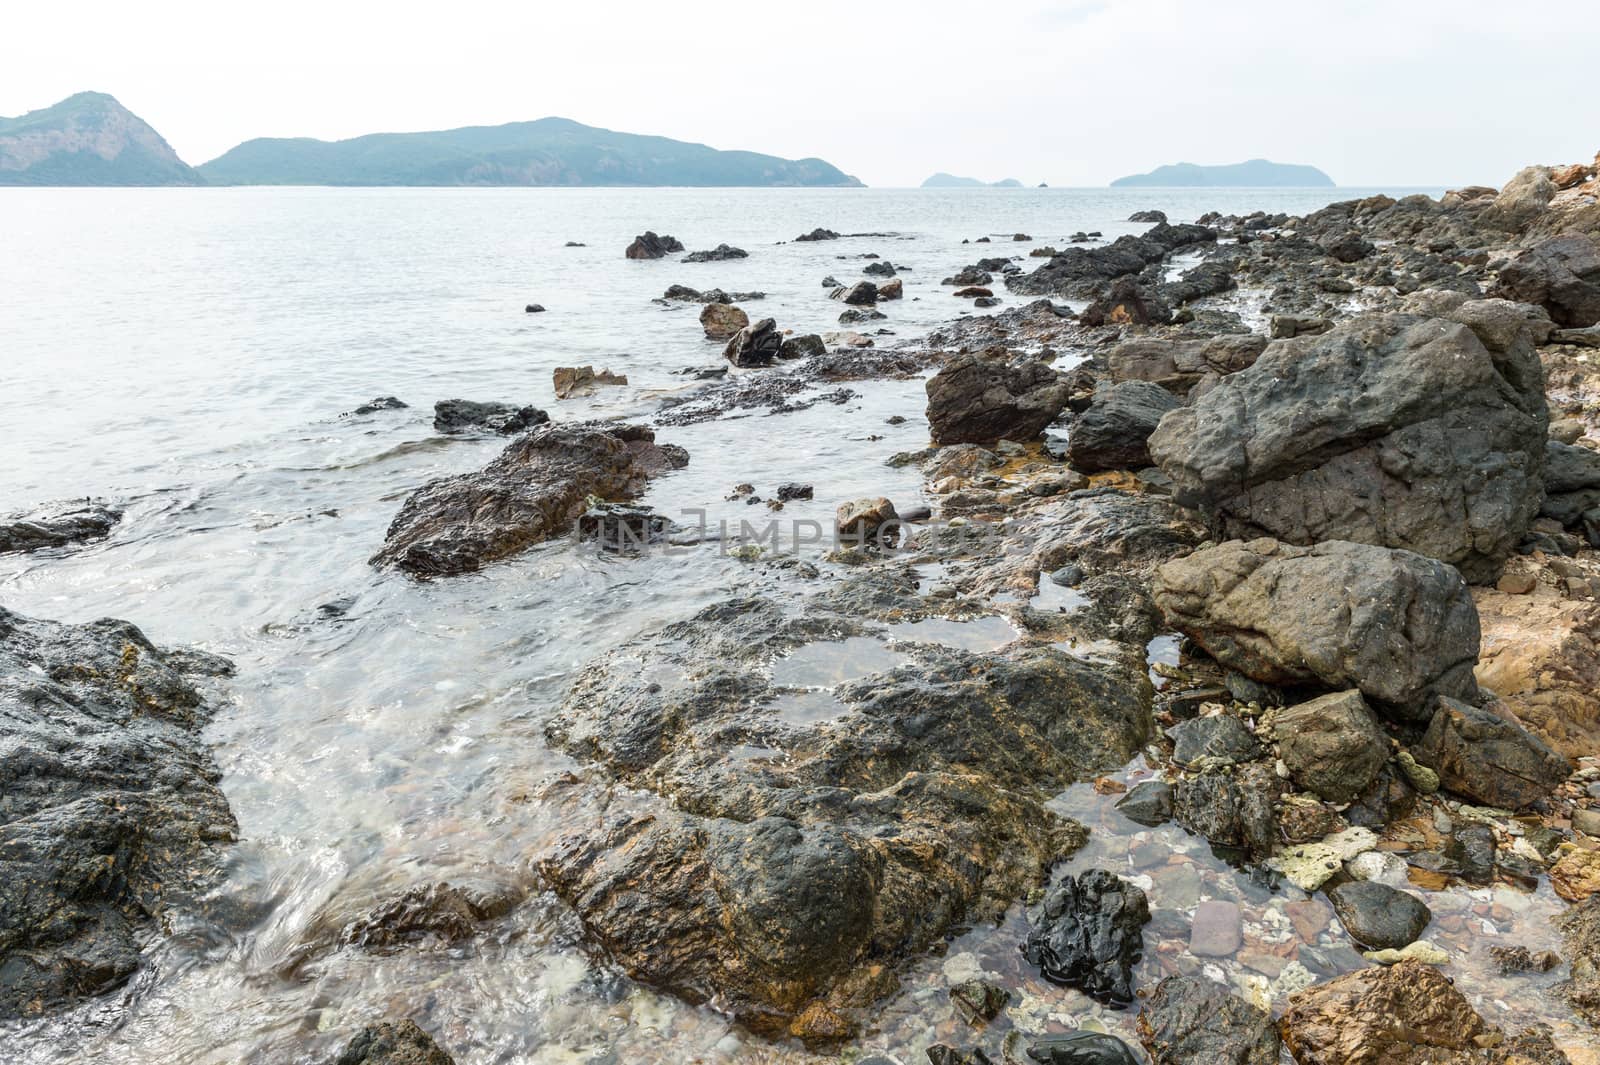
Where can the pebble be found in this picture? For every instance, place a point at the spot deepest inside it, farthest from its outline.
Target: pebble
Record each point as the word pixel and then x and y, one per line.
pixel 1218 929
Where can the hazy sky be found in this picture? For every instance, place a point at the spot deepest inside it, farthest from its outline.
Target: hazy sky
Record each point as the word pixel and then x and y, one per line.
pixel 1072 92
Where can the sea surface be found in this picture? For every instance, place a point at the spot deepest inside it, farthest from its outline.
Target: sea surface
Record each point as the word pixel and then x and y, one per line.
pixel 191 354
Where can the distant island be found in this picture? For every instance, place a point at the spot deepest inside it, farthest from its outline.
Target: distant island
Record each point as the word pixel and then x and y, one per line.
pixel 91 139
pixel 548 151
pixel 942 180
pixel 1257 173
pixel 88 139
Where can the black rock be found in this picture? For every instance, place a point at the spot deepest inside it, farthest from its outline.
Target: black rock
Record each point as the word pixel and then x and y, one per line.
pixel 879 269
pixel 969 275
pixel 718 254
pixel 376 405
pixel 1231 809
pixel 57 525
pixel 1088 935
pixel 1378 916
pixel 944 1054
pixel 857 315
pixel 1082 1048
pixel 622 527
pixel 650 246
pixel 1472 848
pixel 819 234
pixel 978 1002
pixel 1148 803
pixel 534 308
pixel 830 282
pixel 978 399
pixel 757 344
pixel 1219 740
pixel 1192 1021
pixel 793 490
pixel 1113 433
pixel 465 415
pixel 802 346
pixel 1127 302
pixel 1148 216
pixel 860 294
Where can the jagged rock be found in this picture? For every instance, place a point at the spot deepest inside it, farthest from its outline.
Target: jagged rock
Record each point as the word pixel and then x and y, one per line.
pixel 978 399
pixel 1147 803
pixel 969 275
pixel 881 268
pixel 803 346
pixel 867 521
pixel 1407 1014
pixel 1088 934
pixel 390 1043
pixel 1562 275
pixel 1113 433
pixel 1289 326
pixel 1378 916
pixel 381 403
pixel 857 315
pixel 1580 942
pixel 1218 740
pixel 1348 247
pixel 572 381
pixel 1571 483
pixel 1333 745
pixel 860 294
pixel 1472 848
pixel 1190 1020
pixel 58 525
pixel 1488 759
pixel 1148 216
pixel 649 246
pixel 1179 365
pixel 1126 302
pixel 465 415
pixel 1390 430
pixel 757 344
pixel 792 490
pixel 979 1002
pixel 534 490
pixel 685 294
pixel 1576 876
pixel 722 320
pixel 111 807
pixel 1308 866
pixel 1230 808
pixel 718 254
pixel 818 234
pixel 1399 627
pixel 1082 273
pixel 1081 1048
pixel 441 911
pixel 622 527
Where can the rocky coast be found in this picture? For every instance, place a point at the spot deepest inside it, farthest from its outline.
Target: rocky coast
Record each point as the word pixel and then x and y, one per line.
pixel 1230 693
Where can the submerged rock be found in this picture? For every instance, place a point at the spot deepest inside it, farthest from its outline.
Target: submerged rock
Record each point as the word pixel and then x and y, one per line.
pixel 1580 939
pixel 978 399
pixel 720 253
pixel 1193 1021
pixel 1113 433
pixel 381 403
pixel 110 805
pixel 440 911
pixel 1147 803
pixel 464 415
pixel 58 525
pixel 1488 759
pixel 1088 934
pixel 1399 627
pixel 1407 1014
pixel 534 490
pixel 391 1043
pixel 1378 916
pixel 1399 431
pixel 1081 1048
pixel 573 381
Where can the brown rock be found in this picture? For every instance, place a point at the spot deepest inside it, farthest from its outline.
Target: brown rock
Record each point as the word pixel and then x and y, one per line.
pixel 1407 1014
pixel 393 1044
pixel 571 381
pixel 1577 875
pixel 1488 758
pixel 722 320
pixel 863 521
pixel 1541 654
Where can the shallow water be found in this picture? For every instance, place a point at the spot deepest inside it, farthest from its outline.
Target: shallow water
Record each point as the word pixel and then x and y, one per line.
pixel 189 353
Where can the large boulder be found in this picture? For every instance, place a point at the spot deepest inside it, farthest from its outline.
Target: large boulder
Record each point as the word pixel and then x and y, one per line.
pixel 535 489
pixel 1541 656
pixel 1399 627
pixel 1190 1020
pixel 111 808
pixel 1524 198
pixel 1571 483
pixel 722 320
pixel 1112 433
pixel 1487 758
pixel 1332 746
pixel 1179 364
pixel 1400 431
pixel 57 525
pixel 466 415
pixel 1562 275
pixel 648 245
pixel 756 344
pixel 981 398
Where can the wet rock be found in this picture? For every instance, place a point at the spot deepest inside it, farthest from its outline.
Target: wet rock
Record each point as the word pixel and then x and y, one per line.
pixel 380 404
pixel 1230 808
pixel 1488 759
pixel 802 346
pixel 867 521
pixel 1147 803
pixel 1333 746
pixel 1580 939
pixel 874 820
pixel 978 1002
pixel 1217 930
pixel 969 275
pixel 757 344
pixel 58 525
pixel 1190 1020
pixel 390 1043
pixel 1378 916
pixel 1472 848
pixel 793 490
pixel 857 315
pixel 1218 740
pixel 465 415
pixel 534 490
pixel 623 527
pixel 1408 1014
pixel 1399 627
pixel 648 245
pixel 685 294
pixel 860 294
pixel 722 320
pixel 718 254
pixel 1126 302
pixel 882 268
pixel 1148 216
pixel 1082 273
pixel 818 234
pixel 1113 433
pixel 978 399
pixel 1088 934
pixel 1522 960
pixel 972 292
pixel 533 308
pixel 437 911
pixel 945 1054
pixel 1562 275
pixel 1448 425
pixel 574 381
pixel 1081 1048
pixel 110 808
pixel 891 290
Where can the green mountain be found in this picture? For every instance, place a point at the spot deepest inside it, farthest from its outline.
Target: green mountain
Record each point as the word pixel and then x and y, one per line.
pixel 1257 173
pixel 942 180
pixel 549 151
pixel 87 139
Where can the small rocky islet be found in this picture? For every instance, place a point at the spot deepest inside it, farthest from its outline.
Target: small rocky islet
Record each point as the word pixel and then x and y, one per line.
pixel 1238 697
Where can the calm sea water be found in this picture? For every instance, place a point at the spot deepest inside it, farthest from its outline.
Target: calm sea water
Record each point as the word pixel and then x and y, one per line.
pixel 189 353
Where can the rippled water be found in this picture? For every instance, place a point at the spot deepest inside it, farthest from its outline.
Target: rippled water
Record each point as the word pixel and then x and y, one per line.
pixel 189 353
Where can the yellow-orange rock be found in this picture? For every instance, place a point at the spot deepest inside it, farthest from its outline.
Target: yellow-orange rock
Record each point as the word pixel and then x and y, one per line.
pixel 1576 876
pixel 1541 654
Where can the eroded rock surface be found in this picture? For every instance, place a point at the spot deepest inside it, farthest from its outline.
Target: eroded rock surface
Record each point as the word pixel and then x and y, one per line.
pixel 58 525
pixel 978 399
pixel 1190 1020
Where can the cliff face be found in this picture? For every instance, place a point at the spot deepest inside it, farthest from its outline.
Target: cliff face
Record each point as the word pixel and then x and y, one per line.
pixel 88 139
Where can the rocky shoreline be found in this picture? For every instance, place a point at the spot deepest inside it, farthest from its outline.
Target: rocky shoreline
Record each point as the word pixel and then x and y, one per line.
pixel 1347 466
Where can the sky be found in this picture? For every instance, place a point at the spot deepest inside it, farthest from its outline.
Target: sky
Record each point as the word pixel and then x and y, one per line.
pixel 1071 92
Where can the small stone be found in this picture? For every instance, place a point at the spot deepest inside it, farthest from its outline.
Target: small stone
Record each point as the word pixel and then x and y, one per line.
pixel 1422 951
pixel 978 1002
pixel 1217 931
pixel 1586 821
pixel 1420 776
pixel 1219 740
pixel 1378 916
pixel 1149 803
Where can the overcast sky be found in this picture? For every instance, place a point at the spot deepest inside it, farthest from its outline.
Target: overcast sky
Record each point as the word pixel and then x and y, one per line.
pixel 1072 92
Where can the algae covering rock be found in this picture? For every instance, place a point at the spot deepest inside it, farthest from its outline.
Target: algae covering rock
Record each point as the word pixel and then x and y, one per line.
pixel 808 808
pixel 111 807
pixel 535 489
pixel 1393 430
pixel 1396 626
pixel 1189 1020
pixel 390 1043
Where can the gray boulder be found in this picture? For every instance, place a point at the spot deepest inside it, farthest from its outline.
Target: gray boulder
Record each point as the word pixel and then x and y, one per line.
pixel 1178 365
pixel 1399 627
pixel 1190 1020
pixel 1571 482
pixel 1407 432
pixel 1113 433
pixel 1333 746
pixel 978 399
pixel 1487 758
pixel 1562 275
